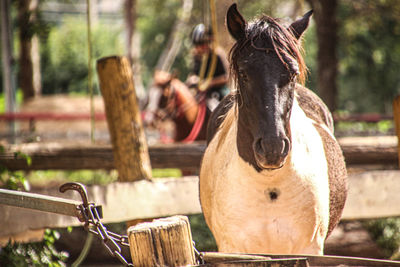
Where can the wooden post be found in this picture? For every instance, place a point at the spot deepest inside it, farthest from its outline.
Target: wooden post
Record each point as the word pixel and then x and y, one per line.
pixel 163 242
pixel 7 61
pixel 396 118
pixel 131 157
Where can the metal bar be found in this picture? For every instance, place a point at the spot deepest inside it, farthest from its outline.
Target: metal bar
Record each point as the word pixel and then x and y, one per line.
pixel 40 202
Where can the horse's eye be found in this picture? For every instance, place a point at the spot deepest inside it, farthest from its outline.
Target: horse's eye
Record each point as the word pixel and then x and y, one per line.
pixel 287 78
pixel 242 74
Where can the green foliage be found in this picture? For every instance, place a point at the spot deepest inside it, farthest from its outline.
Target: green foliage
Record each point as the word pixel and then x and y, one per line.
pixel 160 173
pixel 29 254
pixel 201 234
pixel 19 97
pixel 155 21
pixel 11 179
pixel 369 55
pixel 86 177
pixel 65 58
pixel 385 127
pixel 386 232
pixel 34 254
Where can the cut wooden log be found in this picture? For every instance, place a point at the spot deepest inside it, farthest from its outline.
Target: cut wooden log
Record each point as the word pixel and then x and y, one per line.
pixel 163 242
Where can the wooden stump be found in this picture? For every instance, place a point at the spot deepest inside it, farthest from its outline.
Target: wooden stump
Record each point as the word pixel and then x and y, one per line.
pixel 163 242
pixel 131 157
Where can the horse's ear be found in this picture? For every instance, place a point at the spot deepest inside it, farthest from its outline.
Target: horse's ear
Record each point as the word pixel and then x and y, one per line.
pixel 299 26
pixel 235 23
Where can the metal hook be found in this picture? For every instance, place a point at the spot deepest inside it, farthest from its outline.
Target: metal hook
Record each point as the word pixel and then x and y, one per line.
pixel 77 187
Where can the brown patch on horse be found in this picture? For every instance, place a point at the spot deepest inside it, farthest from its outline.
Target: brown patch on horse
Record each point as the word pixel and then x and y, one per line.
pixel 187 104
pixel 337 177
pixel 313 106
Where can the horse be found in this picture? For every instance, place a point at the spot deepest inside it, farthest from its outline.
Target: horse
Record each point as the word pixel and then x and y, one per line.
pixel 171 98
pixel 273 178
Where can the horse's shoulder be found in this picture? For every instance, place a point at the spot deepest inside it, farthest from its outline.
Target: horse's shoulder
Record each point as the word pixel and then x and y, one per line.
pixel 218 116
pixel 313 106
pixel 316 110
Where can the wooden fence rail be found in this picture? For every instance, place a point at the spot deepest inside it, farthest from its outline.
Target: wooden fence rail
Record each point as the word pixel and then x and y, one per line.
pixel 372 194
pixel 359 150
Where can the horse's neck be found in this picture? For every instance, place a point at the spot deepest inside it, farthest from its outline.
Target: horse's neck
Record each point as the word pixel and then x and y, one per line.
pixel 185 102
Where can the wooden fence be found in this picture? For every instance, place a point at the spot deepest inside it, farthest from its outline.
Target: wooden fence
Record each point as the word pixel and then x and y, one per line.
pixel 48 156
pixel 372 194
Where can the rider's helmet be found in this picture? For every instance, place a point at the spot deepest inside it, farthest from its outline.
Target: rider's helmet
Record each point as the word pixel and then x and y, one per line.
pixel 201 35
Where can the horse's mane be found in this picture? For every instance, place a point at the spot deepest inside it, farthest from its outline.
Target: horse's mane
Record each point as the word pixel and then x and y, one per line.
pixel 271 32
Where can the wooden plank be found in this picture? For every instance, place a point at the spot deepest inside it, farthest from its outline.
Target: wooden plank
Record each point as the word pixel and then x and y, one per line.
pixel 283 262
pixel 216 257
pixel 86 156
pixel 369 150
pixel 120 202
pixel 371 195
pixel 360 150
pixel 327 260
pixel 39 202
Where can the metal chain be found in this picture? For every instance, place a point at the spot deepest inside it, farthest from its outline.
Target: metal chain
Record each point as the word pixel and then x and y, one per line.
pixel 111 241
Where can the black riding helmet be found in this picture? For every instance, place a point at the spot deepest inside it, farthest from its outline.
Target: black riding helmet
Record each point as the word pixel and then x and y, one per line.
pixel 201 34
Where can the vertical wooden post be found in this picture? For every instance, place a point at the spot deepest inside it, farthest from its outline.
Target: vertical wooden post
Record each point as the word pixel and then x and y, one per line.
pixel 396 118
pixel 130 150
pixel 7 61
pixel 163 242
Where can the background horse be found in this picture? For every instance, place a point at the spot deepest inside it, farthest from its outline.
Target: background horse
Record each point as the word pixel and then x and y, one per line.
pixel 171 98
pixel 273 177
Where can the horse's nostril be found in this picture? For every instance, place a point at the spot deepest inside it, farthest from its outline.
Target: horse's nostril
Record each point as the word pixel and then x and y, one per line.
pixel 263 147
pixel 286 147
pixel 258 147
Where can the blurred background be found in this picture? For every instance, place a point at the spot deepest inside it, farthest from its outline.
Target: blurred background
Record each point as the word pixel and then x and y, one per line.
pixel 351 48
pixel 352 51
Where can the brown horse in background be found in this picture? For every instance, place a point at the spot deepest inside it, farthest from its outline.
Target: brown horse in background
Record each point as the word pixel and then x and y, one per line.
pixel 169 98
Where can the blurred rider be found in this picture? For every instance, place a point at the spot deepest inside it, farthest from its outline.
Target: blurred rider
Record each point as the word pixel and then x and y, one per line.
pixel 215 88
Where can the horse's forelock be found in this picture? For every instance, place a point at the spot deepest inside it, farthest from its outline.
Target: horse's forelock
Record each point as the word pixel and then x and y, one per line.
pixel 286 46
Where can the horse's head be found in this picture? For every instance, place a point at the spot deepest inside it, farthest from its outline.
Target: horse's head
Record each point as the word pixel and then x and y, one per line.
pixel 160 98
pixel 265 64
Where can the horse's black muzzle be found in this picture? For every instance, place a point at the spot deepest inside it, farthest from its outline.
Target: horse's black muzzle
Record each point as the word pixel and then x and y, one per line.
pixel 271 153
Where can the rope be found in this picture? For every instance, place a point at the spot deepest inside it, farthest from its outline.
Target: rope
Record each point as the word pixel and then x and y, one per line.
pixel 90 75
pixel 85 250
pixel 198 124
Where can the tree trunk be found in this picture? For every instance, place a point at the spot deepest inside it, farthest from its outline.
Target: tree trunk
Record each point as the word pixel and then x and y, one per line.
pixel 7 56
pixel 174 44
pixel 133 48
pixel 25 75
pixel 326 24
pixel 130 24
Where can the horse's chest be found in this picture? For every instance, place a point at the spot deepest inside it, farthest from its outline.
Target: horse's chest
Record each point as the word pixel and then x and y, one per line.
pixel 276 216
pixel 283 211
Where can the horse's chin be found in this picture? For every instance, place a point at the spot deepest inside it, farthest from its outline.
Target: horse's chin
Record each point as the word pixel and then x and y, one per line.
pixel 270 167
